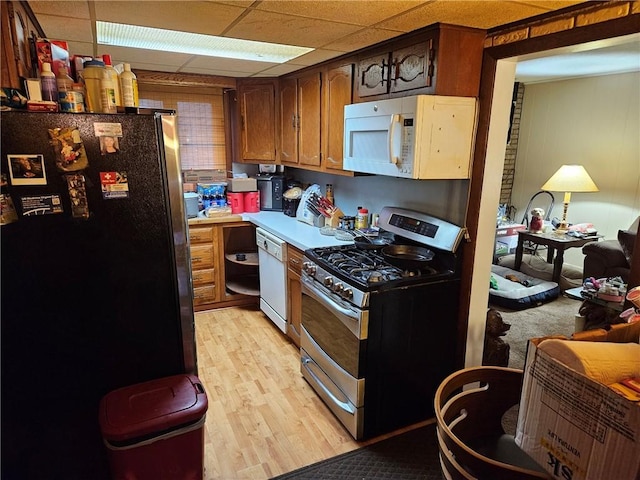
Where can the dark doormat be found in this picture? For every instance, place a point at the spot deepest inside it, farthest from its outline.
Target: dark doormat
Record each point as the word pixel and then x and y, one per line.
pixel 410 455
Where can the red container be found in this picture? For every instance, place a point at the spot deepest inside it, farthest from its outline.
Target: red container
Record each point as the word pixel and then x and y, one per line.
pixel 236 201
pixel 252 202
pixel 154 430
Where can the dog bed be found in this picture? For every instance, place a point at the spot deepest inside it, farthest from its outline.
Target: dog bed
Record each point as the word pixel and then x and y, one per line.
pixel 517 290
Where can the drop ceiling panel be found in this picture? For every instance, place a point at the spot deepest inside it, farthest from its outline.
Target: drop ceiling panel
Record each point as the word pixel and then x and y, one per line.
pixel 363 38
pixel 134 56
pixel 228 64
pixel 279 28
pixel 61 9
pixel 198 17
pixel 356 12
pixel 468 13
pixel 65 28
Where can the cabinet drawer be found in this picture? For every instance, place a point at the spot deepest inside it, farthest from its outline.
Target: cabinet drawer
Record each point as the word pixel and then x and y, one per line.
pixel 201 256
pixel 201 235
pixel 205 294
pixel 201 277
pixel 295 259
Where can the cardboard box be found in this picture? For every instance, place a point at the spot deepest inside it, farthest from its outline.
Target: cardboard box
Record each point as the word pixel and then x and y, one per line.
pixel 55 52
pixel 575 427
pixel 242 184
pixel 508 235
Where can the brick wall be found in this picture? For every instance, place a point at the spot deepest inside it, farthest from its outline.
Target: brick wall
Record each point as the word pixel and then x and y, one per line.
pixel 512 145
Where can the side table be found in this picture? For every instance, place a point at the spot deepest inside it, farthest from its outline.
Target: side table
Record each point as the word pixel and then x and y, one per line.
pixel 553 242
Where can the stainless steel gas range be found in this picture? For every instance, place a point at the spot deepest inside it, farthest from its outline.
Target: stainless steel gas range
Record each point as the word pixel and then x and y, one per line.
pixel 379 332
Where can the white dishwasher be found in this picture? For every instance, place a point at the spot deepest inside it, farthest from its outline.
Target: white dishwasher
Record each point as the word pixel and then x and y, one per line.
pixel 272 256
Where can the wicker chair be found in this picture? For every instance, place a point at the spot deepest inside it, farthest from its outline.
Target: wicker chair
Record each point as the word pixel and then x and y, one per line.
pixel 471 439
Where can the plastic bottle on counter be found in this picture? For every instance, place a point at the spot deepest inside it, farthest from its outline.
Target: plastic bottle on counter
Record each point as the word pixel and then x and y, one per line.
pixel 48 85
pixel 92 75
pixel 362 218
pixel 129 87
pixel 113 73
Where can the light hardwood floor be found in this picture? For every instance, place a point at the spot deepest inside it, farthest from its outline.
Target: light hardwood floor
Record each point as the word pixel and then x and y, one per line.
pixel 263 418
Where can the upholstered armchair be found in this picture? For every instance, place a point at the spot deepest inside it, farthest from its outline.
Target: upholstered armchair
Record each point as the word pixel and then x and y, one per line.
pixel 610 258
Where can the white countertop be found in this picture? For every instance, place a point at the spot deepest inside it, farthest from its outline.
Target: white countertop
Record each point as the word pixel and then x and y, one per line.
pixel 299 234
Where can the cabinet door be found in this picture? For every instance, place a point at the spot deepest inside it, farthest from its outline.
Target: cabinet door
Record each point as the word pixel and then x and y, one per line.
pixel 338 88
pixel 309 101
pixel 412 67
pixel 257 107
pixel 289 120
pixel 17 25
pixel 294 313
pixel 373 75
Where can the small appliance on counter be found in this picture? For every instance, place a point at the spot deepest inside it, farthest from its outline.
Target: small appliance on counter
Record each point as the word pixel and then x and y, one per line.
pixel 292 195
pixel 271 188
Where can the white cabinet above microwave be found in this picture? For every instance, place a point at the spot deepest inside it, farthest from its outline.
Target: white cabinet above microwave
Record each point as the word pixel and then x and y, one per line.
pixel 419 137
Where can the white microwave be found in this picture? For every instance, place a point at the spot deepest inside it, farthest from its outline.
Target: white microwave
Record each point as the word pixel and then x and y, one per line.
pixel 420 137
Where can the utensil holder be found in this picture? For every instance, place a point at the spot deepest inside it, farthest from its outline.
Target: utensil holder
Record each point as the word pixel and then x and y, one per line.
pixel 334 219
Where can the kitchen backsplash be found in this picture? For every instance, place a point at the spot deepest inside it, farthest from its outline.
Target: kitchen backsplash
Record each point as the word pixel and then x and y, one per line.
pixel 446 199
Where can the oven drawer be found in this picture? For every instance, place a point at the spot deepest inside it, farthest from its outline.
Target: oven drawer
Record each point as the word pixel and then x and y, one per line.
pixel 352 387
pixel 350 416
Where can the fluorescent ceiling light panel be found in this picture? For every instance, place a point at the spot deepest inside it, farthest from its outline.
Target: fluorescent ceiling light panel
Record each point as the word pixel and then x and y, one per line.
pixel 133 36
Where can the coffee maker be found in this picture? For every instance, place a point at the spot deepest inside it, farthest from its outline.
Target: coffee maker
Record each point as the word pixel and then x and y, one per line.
pixel 271 188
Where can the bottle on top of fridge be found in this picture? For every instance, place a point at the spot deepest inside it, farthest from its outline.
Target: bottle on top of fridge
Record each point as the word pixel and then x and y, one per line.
pixel 69 100
pixel 113 73
pixel 107 94
pixel 92 77
pixel 48 85
pixel 129 87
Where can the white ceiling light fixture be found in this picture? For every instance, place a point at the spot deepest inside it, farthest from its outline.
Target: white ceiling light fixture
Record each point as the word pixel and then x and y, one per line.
pixel 134 36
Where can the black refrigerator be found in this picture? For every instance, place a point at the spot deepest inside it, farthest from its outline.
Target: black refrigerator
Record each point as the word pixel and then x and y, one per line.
pixel 96 283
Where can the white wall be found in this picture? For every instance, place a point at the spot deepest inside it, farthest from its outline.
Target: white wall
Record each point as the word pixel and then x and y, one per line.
pixel 591 121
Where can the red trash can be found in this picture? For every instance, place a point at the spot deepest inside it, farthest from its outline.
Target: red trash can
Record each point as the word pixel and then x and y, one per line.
pixel 155 430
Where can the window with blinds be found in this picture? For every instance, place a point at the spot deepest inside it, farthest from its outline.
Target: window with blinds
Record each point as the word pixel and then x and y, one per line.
pixel 200 115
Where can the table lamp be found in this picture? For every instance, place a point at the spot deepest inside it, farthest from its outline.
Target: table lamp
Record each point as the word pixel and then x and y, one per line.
pixel 569 178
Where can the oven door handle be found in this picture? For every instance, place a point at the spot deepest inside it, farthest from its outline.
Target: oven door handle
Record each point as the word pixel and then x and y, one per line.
pixel 343 404
pixel 309 289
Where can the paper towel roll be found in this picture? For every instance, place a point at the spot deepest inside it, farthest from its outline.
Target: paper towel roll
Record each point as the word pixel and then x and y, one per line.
pixel 604 362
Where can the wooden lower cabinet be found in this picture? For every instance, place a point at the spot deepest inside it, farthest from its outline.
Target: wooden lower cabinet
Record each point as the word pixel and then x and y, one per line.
pixel 219 279
pixel 294 313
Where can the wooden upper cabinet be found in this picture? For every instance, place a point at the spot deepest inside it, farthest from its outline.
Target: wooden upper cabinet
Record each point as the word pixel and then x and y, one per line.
pixel 257 121
pixel 441 60
pixel 373 78
pixel 412 67
pixel 309 104
pixel 338 92
pixel 18 26
pixel 289 120
pixel 300 104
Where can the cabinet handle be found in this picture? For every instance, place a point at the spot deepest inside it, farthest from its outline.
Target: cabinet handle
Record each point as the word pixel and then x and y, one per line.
pixel 295 261
pixel 293 120
pixel 195 238
pixel 196 259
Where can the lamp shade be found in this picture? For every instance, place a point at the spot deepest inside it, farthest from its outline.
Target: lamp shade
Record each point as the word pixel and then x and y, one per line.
pixel 570 178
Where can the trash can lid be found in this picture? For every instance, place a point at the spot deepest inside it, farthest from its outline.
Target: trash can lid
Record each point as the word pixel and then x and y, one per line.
pixel 152 407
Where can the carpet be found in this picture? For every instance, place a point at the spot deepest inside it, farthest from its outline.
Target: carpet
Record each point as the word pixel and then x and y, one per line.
pixel 554 318
pixel 407 456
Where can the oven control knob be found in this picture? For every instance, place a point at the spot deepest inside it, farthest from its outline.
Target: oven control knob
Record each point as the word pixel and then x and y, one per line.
pixel 309 268
pixel 328 281
pixel 338 287
pixel 347 293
